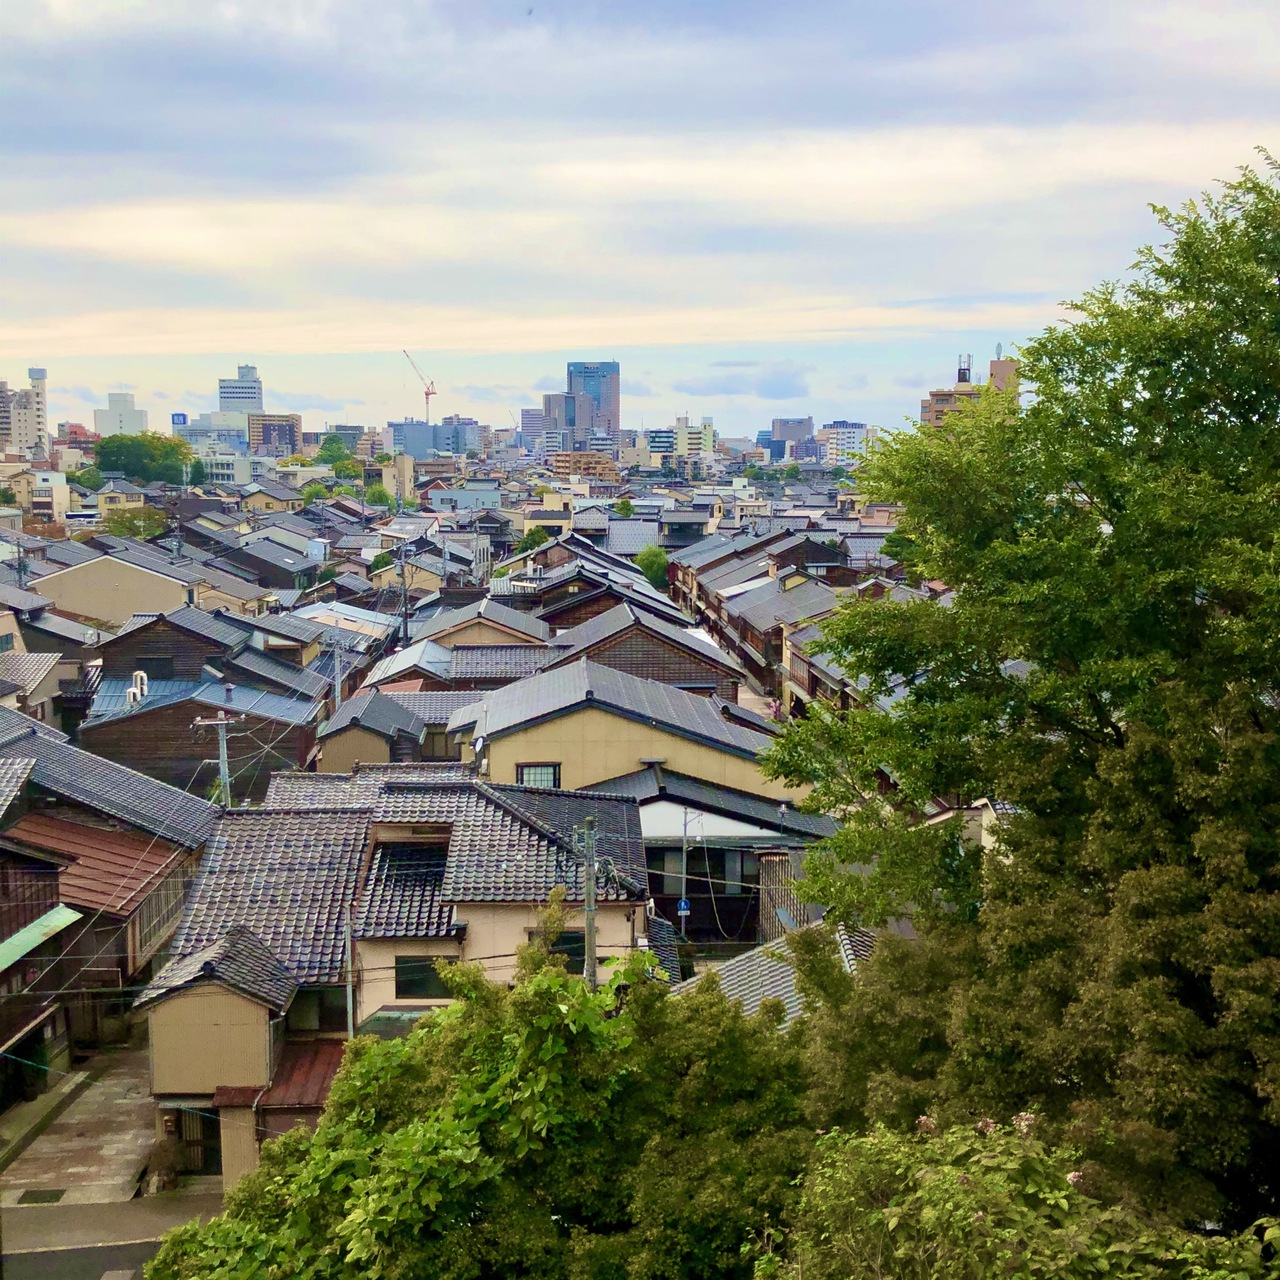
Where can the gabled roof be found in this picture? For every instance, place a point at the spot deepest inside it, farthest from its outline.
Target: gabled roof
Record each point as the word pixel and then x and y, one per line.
pixel 434 706
pixel 768 605
pixel 197 622
pixel 765 973
pixel 563 690
pixel 102 784
pixel 421 655
pixel 111 702
pixel 27 670
pixel 304 682
pixel 289 626
pixel 378 713
pixel 498 661
pixel 238 959
pixel 488 610
pixel 625 617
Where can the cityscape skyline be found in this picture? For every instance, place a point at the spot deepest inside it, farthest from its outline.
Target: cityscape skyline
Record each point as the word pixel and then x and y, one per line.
pixel 209 186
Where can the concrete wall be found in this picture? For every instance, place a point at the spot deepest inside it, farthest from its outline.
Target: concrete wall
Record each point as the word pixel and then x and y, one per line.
pixel 111 590
pixel 341 752
pixel 205 1037
pixel 593 746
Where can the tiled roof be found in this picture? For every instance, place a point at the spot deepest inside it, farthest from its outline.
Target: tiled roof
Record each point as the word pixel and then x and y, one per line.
pixel 237 959
pixel 663 941
pixel 111 702
pixel 628 537
pixel 284 874
pixel 584 683
pixel 378 713
pixel 498 661
pixel 768 605
pixel 622 618
pixel 421 655
pixel 764 973
pixel 263 667
pixel 13 777
pixel 69 552
pixel 435 706
pixel 211 626
pixel 26 670
pixel 102 784
pixel 75 633
pixel 297 790
pixel 491 611
pixel 402 894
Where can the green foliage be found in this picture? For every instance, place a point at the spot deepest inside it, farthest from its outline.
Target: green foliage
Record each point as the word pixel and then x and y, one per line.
pixel 327 574
pixel 382 459
pixel 540 1131
pixel 652 562
pixel 500 572
pixel 473 454
pixel 88 477
pixel 376 495
pixel 332 450
pixel 348 469
pixel 791 472
pixel 344 491
pixel 533 539
pixel 383 560
pixel 313 492
pixel 1107 667
pixel 624 508
pixel 975 1202
pixel 135 522
pixel 144 458
pixel 7 497
pixel 196 473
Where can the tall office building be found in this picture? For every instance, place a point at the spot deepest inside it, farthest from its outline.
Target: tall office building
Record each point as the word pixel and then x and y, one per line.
pixel 602 382
pixel 791 428
pixel 24 421
pixel 847 442
pixel 120 417
pixel 277 435
pixel 241 394
pixel 533 429
pixel 572 415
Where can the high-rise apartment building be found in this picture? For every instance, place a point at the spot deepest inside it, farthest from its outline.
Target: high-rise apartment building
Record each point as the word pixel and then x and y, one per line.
pixel 121 417
pixel 944 400
pixel 533 430
pixel 24 420
pixel 241 394
pixel 601 381
pixel 224 431
pixel 571 415
pixel 791 429
pixel 846 442
pixel 277 435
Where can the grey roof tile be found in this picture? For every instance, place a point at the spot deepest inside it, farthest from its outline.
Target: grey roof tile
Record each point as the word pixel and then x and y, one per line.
pixel 239 960
pixel 13 777
pixel 491 611
pixel 388 717
pixel 435 706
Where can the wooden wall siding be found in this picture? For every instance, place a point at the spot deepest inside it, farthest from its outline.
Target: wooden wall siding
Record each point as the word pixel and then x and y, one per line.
pixel 568 614
pixel 163 745
pixel 151 648
pixel 642 654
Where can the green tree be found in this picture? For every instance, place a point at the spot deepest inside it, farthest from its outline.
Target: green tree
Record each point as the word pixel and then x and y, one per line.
pixel 791 472
pixel 332 449
pixel 382 459
pixel 144 458
pixel 1107 668
pixel 376 495
pixel 88 477
pixel 345 491
pixel 313 492
pixel 383 560
pixel 980 1201
pixel 196 474
pixel 327 574
pixel 624 508
pixel 348 469
pixel 533 539
pixel 7 497
pixel 541 1131
pixel 136 522
pixel 652 562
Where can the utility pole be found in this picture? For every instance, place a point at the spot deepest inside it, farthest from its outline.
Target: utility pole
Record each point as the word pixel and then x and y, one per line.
pixel 586 841
pixel 682 910
pixel 337 675
pixel 404 600
pixel 221 724
pixel 347 965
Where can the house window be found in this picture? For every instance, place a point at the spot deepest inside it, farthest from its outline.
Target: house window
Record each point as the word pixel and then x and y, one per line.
pixel 6 643
pixel 572 944
pixel 418 978
pixel 538 775
pixel 318 1009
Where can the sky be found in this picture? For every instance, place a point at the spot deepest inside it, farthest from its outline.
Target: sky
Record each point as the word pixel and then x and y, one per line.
pixel 761 210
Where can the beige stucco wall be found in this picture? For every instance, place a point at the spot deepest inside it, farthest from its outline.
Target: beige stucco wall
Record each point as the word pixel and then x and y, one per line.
pixel 593 746
pixel 239 1144
pixel 480 632
pixel 210 598
pixel 206 1037
pixel 341 752
pixel 111 590
pixel 376 961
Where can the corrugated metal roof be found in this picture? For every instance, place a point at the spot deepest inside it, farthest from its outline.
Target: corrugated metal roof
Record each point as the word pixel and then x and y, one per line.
pixel 305 1075
pixel 17 945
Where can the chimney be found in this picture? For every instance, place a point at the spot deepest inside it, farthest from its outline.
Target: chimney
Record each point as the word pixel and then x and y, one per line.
pixel 227 691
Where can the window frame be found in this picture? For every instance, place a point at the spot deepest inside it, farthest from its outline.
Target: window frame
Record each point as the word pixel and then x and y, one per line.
pixel 553 765
pixel 429 967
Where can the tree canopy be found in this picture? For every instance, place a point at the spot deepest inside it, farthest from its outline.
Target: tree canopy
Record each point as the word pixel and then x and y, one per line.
pixel 1107 670
pixel 533 539
pixel 332 449
pixel 144 458
pixel 376 495
pixel 652 562
pixel 348 469
pixel 624 508
pixel 135 522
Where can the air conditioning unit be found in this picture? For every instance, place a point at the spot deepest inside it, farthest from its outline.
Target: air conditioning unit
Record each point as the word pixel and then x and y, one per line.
pixel 140 683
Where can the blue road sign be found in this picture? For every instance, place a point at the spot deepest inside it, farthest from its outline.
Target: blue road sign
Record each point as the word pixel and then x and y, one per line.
pixel 682 907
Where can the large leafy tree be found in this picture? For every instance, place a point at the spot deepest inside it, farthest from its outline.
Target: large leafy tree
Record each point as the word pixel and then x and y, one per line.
pixel 144 458
pixel 542 1131
pixel 652 562
pixel 136 522
pixel 1107 666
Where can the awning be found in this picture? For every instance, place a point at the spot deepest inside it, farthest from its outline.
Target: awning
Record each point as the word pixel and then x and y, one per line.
pixel 28 938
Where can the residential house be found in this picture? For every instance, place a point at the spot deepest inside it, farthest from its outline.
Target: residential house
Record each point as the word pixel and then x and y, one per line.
pixel 582 724
pixel 380 728
pixel 332 908
pixel 487 621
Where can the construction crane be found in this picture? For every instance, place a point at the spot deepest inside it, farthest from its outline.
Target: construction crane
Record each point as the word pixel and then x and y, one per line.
pixel 428 387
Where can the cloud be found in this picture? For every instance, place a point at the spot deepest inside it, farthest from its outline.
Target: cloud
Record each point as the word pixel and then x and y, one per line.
pixel 549 384
pixel 912 381
pixel 859 382
pixel 298 401
pixel 123 386
pixel 775 382
pixel 85 394
pixel 494 393
pixel 735 364
pixel 636 388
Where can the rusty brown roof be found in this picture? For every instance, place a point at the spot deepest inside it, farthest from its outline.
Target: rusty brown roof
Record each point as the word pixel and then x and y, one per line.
pixel 304 1075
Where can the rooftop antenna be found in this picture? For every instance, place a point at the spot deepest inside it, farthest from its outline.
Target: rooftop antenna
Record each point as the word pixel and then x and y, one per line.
pixel 999 350
pixel 964 373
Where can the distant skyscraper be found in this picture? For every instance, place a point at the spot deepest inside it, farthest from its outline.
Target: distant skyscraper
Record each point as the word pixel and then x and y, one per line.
pixel 277 435
pixel 601 381
pixel 24 422
pixel 847 441
pixel 791 428
pixel 572 415
pixel 120 417
pixel 533 429
pixel 241 394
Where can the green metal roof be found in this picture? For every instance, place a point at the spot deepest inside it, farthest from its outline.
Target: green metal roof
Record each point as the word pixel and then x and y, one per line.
pixel 27 939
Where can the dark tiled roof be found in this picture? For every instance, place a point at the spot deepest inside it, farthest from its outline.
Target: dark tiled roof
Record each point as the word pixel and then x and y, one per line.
pixel 102 784
pixel 211 626
pixel 286 875
pixel 435 706
pixel 663 941
pixel 13 777
pixel 286 625
pixel 491 611
pixel 621 618
pixel 69 552
pixel 378 713
pixel 239 960
pixel 768 605
pixel 26 670
pixel 402 894
pixel 264 669
pixel 627 537
pixel 498 661
pixel 565 689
